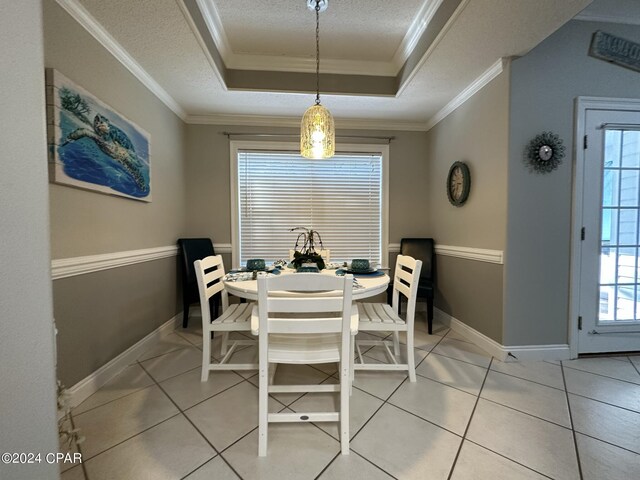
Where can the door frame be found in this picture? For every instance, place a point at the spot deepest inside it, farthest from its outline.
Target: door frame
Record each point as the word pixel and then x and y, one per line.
pixel 582 104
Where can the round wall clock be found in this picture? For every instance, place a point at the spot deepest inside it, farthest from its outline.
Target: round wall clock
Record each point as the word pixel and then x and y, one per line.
pixel 544 152
pixel 458 183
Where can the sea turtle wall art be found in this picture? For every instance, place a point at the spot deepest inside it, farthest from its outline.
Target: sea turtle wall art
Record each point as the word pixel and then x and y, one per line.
pixel 91 146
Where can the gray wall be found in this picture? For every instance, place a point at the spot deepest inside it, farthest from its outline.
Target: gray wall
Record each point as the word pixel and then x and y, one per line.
pixel 27 398
pixel 544 84
pixel 476 133
pixel 208 177
pixel 124 304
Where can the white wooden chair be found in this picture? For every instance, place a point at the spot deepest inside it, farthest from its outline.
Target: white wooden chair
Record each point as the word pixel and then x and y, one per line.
pixel 235 317
pixel 325 253
pixel 383 317
pixel 304 330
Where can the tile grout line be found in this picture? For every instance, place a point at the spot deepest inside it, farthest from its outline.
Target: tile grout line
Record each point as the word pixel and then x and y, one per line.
pixel 363 458
pixel 634 365
pixel 573 432
pixel 602 375
pixel 605 403
pixel 82 463
pixel 132 436
pixel 509 459
pixel 112 400
pixel 608 443
pixel 526 413
pixel 460 360
pixel 528 380
pixel 192 424
pixel 464 435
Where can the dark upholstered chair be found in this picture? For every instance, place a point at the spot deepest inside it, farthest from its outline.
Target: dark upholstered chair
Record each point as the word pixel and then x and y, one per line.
pixel 192 249
pixel 421 249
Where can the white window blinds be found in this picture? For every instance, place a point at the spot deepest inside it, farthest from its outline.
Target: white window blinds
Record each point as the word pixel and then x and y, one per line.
pixel 340 197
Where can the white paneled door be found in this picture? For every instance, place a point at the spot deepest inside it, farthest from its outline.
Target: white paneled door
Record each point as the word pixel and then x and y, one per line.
pixel 609 305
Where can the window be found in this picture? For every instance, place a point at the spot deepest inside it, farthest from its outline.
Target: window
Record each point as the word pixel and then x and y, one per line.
pixel 343 198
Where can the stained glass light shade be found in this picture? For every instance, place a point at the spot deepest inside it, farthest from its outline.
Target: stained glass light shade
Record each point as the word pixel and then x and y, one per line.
pixel 317 133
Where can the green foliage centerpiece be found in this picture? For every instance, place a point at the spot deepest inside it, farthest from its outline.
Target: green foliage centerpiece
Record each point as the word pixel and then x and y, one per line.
pixel 304 249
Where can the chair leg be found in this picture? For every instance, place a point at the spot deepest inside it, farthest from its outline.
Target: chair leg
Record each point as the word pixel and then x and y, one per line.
pixel 430 315
pixel 351 361
pixel 411 361
pixel 345 382
pixel 396 343
pixel 216 299
pixel 263 402
pixel 185 312
pixel 206 356
pixel 224 343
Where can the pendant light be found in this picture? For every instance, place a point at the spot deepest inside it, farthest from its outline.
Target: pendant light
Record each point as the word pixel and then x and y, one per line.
pixel 317 132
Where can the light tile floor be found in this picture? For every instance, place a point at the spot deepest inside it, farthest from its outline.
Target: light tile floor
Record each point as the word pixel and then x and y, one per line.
pixel 468 416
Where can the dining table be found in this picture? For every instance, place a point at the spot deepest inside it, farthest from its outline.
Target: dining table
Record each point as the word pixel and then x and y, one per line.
pixel 365 285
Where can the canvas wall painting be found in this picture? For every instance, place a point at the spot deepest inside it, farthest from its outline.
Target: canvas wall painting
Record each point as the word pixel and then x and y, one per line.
pixel 91 146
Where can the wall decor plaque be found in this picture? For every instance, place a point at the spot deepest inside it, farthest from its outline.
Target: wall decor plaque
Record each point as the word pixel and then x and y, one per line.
pixel 615 50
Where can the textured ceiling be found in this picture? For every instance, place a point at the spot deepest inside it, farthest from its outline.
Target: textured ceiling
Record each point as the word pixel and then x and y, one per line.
pixel 158 36
pixel 366 30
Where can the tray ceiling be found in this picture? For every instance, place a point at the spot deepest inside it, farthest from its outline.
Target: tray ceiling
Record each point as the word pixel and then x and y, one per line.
pixel 190 65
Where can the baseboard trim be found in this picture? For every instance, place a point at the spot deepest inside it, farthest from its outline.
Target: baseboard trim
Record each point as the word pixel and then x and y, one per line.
pixel 90 384
pixel 468 253
pixel 504 353
pixel 487 344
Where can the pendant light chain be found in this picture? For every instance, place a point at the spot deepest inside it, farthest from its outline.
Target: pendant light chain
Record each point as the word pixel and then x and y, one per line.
pixel 317 128
pixel 317 52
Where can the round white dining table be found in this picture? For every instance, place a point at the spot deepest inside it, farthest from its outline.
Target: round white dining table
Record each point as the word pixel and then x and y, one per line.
pixel 370 285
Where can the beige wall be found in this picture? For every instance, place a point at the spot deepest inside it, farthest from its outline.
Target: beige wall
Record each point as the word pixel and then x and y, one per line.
pixel 476 133
pixel 208 177
pixel 86 223
pixel 100 315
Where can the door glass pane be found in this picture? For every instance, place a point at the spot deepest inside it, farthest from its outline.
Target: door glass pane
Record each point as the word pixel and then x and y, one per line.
pixel 628 227
pixel 630 150
pixel 629 187
pixel 609 226
pixel 610 188
pixel 619 266
pixel 612 146
pixel 608 258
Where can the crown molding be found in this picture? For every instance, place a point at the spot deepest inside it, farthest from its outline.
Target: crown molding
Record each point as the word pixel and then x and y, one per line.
pixel 308 65
pixel 441 34
pixel 294 122
pixel 592 17
pixel 203 46
pixel 475 86
pixel 214 25
pixel 91 25
pixel 416 29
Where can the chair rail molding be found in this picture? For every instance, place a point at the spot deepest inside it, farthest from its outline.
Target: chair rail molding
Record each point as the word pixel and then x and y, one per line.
pixel 468 253
pixel 69 267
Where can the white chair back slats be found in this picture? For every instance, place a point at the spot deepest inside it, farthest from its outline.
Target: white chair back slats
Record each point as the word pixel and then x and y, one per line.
pixel 384 317
pixel 209 274
pixel 303 330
